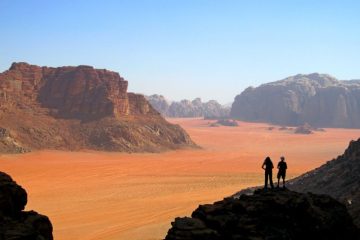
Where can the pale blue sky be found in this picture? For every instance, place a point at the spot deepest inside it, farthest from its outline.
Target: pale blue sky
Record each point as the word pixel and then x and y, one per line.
pixel 186 48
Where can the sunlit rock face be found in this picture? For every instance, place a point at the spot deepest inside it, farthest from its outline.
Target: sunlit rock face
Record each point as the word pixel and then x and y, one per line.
pixel 73 92
pixel 80 107
pixel 317 99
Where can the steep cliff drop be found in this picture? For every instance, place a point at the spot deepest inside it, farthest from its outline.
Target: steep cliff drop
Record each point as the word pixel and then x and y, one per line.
pixel 318 99
pixel 74 108
pixel 16 223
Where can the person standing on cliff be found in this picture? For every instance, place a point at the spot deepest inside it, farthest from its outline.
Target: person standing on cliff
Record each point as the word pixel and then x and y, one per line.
pixel 282 166
pixel 268 166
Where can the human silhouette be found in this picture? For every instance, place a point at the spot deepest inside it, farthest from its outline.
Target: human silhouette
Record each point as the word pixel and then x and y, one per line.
pixel 268 166
pixel 282 166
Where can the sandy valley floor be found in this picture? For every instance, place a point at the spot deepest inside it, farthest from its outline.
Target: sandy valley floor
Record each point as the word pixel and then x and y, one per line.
pixel 96 195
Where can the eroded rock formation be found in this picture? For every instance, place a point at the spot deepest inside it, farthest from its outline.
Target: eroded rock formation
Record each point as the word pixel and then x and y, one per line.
pixel 79 107
pixel 224 122
pixel 187 108
pixel 267 214
pixel 15 223
pixel 317 99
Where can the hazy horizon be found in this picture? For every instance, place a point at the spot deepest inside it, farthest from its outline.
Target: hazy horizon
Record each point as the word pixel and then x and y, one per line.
pixel 186 49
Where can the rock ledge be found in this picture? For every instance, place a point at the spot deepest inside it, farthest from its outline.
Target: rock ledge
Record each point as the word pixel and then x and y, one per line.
pixel 271 214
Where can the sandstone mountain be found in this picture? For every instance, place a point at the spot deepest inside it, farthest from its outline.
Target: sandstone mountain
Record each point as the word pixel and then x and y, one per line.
pixel 277 214
pixel 187 108
pixel 15 223
pixel 317 99
pixel 75 108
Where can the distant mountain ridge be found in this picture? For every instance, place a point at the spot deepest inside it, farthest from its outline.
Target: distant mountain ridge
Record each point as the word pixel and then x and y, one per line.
pixel 187 108
pixel 318 99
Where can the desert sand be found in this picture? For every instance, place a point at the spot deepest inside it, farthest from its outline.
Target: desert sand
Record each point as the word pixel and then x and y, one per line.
pixel 101 195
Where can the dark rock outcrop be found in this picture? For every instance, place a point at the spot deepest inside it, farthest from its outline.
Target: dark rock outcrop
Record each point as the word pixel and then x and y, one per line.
pixel 74 108
pixel 304 129
pixel 339 178
pixel 272 214
pixel 317 99
pixel 16 224
pixel 227 122
pixel 187 108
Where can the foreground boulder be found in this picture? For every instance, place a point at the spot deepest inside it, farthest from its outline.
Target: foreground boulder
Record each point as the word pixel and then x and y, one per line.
pixel 277 214
pixel 16 224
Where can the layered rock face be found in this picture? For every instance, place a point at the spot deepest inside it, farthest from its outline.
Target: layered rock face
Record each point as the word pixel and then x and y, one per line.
pixel 186 108
pixel 72 92
pixel 317 99
pixel 16 223
pixel 271 214
pixel 78 107
pixel 339 178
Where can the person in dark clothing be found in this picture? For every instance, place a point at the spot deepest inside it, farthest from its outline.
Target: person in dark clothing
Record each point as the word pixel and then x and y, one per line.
pixel 282 166
pixel 268 166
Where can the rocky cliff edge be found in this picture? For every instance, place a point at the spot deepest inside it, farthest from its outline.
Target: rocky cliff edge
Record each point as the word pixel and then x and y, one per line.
pixel 267 214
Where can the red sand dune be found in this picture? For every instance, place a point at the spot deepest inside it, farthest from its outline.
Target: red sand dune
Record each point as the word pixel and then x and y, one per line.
pixel 98 195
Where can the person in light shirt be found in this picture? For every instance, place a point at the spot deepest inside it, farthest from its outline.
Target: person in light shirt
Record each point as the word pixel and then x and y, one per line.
pixel 282 166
